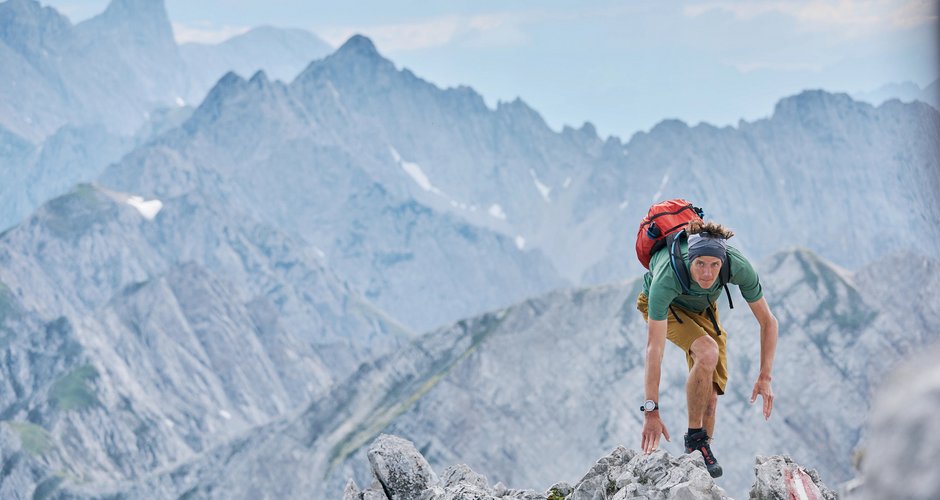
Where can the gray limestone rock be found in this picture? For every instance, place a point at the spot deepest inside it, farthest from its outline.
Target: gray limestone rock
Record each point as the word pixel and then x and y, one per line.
pixel 903 450
pixel 403 473
pixel 682 477
pixel 402 470
pixel 600 481
pixel 462 473
pixel 352 491
pixel 462 491
pixel 780 478
pixel 561 489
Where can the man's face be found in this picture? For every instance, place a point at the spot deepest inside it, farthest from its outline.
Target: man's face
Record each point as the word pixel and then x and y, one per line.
pixel 704 270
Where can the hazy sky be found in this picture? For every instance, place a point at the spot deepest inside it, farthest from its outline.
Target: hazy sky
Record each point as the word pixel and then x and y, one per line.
pixel 622 65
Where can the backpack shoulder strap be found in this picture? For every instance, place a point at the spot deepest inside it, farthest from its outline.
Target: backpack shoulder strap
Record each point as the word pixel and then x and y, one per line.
pixel 679 267
pixel 725 277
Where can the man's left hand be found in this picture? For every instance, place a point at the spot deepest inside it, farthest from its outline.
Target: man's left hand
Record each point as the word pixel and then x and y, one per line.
pixel 762 388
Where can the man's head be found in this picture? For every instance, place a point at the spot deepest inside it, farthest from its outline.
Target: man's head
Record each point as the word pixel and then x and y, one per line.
pixel 706 254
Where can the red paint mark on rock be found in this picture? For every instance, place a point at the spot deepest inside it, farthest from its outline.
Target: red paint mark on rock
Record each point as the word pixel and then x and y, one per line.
pixel 800 485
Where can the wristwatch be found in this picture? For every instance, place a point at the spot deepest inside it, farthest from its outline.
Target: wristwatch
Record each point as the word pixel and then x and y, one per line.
pixel 649 405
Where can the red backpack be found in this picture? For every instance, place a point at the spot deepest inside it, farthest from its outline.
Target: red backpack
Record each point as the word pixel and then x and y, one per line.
pixel 664 218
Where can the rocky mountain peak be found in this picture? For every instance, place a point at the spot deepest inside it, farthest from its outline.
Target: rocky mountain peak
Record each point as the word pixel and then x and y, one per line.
pixel 28 27
pixel 136 12
pixel 670 127
pixel 356 64
pixel 234 102
pixel 585 135
pixel 358 46
pixel 230 85
pixel 806 106
pixel 520 114
pixel 135 23
pixel 259 79
pixel 402 472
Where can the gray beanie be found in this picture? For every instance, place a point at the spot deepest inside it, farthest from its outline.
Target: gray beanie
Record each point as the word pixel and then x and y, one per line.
pixel 704 244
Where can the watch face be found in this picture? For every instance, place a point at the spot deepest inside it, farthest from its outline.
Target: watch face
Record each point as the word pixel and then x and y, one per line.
pixel 649 406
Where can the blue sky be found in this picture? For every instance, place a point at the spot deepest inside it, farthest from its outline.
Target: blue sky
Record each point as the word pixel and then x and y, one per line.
pixel 623 66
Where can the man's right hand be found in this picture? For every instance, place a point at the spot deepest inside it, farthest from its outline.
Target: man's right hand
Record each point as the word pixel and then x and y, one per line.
pixel 653 427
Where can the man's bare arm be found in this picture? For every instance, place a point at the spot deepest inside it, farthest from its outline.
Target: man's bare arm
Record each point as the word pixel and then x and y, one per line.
pixel 768 348
pixel 653 425
pixel 655 345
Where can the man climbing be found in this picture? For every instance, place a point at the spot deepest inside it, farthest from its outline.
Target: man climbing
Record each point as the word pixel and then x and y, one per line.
pixel 683 311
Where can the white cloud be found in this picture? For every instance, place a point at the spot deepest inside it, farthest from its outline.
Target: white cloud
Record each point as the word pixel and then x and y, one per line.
pixel 206 33
pixel 851 18
pixel 497 30
pixel 492 30
pixel 811 38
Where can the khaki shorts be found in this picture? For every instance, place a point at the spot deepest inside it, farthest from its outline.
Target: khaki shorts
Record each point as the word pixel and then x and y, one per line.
pixel 693 326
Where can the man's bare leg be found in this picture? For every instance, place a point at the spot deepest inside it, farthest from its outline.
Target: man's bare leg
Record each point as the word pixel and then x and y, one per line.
pixel 700 388
pixel 710 409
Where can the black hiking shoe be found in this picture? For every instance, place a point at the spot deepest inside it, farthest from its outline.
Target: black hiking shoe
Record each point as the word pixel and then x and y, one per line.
pixel 699 441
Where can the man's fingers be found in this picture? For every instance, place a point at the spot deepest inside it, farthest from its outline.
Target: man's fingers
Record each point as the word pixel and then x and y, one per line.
pixel 665 433
pixel 768 406
pixel 754 394
pixel 650 440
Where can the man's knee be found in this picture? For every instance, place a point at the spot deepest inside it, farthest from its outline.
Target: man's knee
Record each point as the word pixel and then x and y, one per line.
pixel 705 351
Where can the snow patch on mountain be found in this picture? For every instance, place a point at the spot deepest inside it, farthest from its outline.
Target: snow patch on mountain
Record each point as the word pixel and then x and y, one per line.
pixel 420 178
pixel 463 206
pixel 416 173
pixel 497 211
pixel 147 208
pixel 544 190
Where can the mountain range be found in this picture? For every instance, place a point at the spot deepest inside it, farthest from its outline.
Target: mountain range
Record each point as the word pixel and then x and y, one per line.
pixel 115 68
pixel 74 98
pixel 906 92
pixel 334 157
pixel 233 299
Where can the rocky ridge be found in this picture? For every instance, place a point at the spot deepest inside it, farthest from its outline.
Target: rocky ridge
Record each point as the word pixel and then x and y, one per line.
pixel 400 472
pixel 128 345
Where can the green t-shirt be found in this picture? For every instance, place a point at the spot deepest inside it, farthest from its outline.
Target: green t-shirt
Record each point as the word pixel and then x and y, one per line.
pixel 662 288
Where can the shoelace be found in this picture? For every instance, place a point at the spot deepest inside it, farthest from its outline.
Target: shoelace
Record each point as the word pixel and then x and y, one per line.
pixel 706 454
